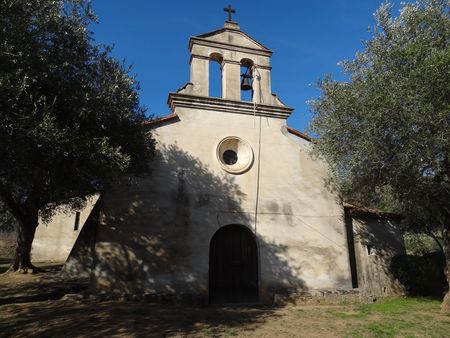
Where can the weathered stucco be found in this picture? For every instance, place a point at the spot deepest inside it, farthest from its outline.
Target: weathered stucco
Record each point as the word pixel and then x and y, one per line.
pixel 231 48
pixel 377 241
pixel 54 240
pixel 161 230
pixel 154 236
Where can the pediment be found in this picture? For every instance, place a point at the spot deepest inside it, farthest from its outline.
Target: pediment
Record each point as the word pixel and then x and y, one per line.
pixel 233 37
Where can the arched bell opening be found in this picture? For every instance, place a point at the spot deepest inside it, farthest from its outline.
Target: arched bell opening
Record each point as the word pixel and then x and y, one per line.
pixel 246 80
pixel 233 266
pixel 215 75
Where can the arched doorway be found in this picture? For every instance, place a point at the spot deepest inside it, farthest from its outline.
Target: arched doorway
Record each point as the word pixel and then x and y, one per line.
pixel 233 266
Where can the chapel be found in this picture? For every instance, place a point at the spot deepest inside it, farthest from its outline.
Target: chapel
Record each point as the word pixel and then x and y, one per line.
pixel 236 209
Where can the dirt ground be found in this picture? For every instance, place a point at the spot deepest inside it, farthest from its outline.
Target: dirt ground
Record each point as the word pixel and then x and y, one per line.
pixel 35 305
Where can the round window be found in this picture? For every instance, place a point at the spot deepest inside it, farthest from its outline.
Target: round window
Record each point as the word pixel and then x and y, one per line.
pixel 234 154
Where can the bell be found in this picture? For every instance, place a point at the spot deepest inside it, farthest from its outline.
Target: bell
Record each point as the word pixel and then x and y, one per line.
pixel 246 83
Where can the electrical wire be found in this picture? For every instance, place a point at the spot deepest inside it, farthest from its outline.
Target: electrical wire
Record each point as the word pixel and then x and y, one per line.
pixel 258 175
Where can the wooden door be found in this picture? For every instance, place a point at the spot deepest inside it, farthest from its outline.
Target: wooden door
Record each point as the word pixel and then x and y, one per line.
pixel 233 266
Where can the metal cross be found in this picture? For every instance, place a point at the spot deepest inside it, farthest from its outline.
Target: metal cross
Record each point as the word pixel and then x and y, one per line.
pixel 229 10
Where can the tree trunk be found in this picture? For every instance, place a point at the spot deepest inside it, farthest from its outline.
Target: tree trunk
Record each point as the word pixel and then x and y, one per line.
pixel 445 306
pixel 26 229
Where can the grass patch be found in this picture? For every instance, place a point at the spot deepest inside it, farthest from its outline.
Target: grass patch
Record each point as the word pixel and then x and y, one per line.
pixel 406 317
pixel 397 306
pixel 392 328
pixel 395 317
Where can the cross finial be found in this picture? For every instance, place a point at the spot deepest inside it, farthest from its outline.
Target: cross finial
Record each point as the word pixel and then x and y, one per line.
pixel 229 10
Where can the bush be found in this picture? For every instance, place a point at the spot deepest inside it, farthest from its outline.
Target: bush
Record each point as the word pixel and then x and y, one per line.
pixel 421 275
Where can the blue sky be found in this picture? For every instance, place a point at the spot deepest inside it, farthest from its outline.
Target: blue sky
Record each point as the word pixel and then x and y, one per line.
pixel 308 38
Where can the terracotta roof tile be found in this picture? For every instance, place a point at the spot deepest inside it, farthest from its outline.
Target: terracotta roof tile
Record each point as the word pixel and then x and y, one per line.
pixel 162 119
pixel 299 134
pixel 358 210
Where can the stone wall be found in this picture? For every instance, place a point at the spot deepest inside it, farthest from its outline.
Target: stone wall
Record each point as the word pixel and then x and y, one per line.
pixel 377 241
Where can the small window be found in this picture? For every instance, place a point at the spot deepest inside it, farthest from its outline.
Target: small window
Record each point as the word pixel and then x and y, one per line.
pixel 76 225
pixel 370 250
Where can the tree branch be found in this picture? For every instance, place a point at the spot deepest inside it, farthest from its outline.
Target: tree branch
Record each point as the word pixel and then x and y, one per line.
pixel 436 239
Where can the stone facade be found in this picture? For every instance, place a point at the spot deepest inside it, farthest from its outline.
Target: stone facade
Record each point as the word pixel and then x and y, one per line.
pixel 224 163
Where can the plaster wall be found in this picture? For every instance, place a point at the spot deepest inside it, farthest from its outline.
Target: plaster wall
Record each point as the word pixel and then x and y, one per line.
pixel 377 241
pixel 230 54
pixel 231 72
pixel 231 84
pixel 154 236
pixel 234 37
pixel 200 76
pixel 54 240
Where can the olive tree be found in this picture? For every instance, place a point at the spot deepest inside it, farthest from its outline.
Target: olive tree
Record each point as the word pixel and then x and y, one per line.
pixel 385 131
pixel 70 117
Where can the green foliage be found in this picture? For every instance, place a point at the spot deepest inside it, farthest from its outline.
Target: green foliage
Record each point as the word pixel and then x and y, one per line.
pixel 70 118
pixel 385 132
pixel 419 244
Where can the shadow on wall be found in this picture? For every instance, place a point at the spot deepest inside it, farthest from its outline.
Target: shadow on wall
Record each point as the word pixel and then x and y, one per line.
pixel 377 241
pixel 80 260
pixel 153 237
pixel 380 235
